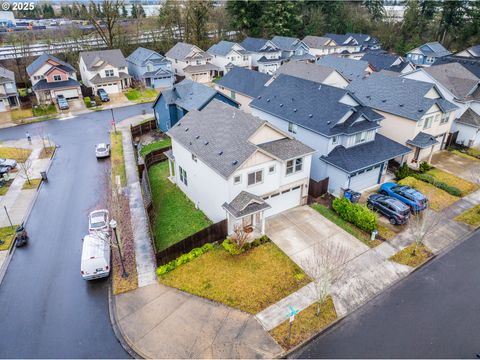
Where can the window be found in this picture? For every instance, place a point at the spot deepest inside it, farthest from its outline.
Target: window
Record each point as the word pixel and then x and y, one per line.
pixel 271 169
pixel 109 72
pixel 194 157
pixel 293 128
pixel 57 78
pixel 334 140
pixel 149 67
pixel 199 62
pixel 445 118
pixel 428 122
pixel 38 77
pixel 255 177
pixel 360 137
pixel 245 58
pixel 294 166
pixel 437 118
pixel 183 175
pixel 237 179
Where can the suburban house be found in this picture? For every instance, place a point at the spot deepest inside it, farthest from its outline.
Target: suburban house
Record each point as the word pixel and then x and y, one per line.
pixel 191 62
pixel 468 127
pixel 242 85
pixel 427 54
pixel 227 54
pixel 173 103
pixel 341 129
pixel 265 56
pixel 293 48
pixel 8 90
pixel 472 65
pixel 105 69
pixel 349 68
pixel 320 45
pixel 314 72
pixel 366 42
pixel 415 112
pixel 150 68
pixel 388 62
pixel 244 171
pixel 471 52
pixel 51 77
pixel 344 43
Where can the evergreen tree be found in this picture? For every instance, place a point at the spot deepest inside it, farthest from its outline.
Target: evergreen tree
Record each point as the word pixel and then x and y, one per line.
pixel 124 11
pixel 281 18
pixel 197 13
pixel 452 18
pixel 375 8
pixel 141 11
pixel 245 16
pixel 133 11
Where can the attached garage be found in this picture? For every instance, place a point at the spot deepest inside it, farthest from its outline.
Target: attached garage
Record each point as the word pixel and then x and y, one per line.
pixel 68 93
pixel 365 178
pixel 110 88
pixel 283 200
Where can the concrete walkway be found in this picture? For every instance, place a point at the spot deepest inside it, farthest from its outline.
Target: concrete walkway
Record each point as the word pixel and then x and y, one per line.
pixel 161 322
pixel 144 254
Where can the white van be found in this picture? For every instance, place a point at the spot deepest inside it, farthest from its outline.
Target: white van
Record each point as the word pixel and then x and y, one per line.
pixel 95 256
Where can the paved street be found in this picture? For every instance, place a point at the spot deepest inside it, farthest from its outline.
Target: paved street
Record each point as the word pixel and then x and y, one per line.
pixel 434 313
pixel 46 308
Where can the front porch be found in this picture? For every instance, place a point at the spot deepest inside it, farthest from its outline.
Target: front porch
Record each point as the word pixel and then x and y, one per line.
pixel 424 146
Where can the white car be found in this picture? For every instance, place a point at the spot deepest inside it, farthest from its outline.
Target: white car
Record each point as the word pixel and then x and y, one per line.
pixel 98 221
pixel 102 150
pixel 95 256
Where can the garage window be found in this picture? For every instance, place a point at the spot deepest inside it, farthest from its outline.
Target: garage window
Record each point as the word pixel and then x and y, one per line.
pixel 255 177
pixel 294 166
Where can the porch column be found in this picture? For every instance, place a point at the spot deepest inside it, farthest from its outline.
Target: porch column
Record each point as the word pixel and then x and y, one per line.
pixel 431 153
pixel 170 167
pixel 263 223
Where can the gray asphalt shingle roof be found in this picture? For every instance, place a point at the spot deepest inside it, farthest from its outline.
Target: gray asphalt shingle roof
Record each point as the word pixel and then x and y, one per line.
pixel 365 155
pixel 244 81
pixel 285 42
pixel 222 48
pixel 180 51
pixel 471 65
pixel 423 140
pixel 219 136
pixel 380 61
pixel 7 74
pixel 457 79
pixel 142 56
pixel 307 71
pixel 253 44
pixel 44 85
pixel 285 149
pixel 316 107
pixel 341 39
pixel 315 42
pixel 399 96
pixel 474 50
pixel 113 57
pixel 38 62
pixel 349 68
pixel 245 204
pixel 434 49
pixel 469 117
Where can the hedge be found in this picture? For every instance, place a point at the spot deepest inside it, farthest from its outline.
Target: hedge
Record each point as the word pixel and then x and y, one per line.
pixel 356 214
pixel 233 249
pixel 452 190
pixel 183 259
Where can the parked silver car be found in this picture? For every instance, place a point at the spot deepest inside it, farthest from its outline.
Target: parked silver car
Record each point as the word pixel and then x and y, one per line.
pixel 102 150
pixel 98 221
pixel 7 164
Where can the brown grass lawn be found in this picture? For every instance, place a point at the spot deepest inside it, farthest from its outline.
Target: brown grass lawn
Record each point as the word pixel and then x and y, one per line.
pixel 406 257
pixel 466 187
pixel 5 187
pixel 250 281
pixel 470 217
pixel 34 184
pixel 437 198
pixel 306 324
pixel 6 235
pixel 18 154
pixel 118 162
pixel 18 115
pixel 47 152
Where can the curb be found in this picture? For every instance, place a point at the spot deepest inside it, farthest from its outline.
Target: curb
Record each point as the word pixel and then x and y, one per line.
pixel 3 269
pixel 441 253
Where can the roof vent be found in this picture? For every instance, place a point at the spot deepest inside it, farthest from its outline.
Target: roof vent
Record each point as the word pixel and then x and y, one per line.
pixel 281 105
pixel 234 162
pixel 197 137
pixel 401 105
pixel 319 87
pixel 206 142
pixel 220 153
pixel 268 100
pixel 328 122
pixel 190 143
pixel 420 110
pixel 294 110
pixel 186 129
pixel 259 97
pixel 384 100
pixel 310 115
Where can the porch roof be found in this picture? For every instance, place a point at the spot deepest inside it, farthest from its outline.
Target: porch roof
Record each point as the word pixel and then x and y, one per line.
pixel 245 204
pixel 44 85
pixel 423 140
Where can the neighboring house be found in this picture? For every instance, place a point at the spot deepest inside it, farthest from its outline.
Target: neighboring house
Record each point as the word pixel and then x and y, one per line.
pixel 471 52
pixel 244 170
pixel 265 56
pixel 151 68
pixel 320 45
pixel 349 68
pixel 8 90
pixel 191 62
pixel 314 72
pixel 293 48
pixel 472 65
pixel 341 129
pixel 344 43
pixel 415 112
pixel 427 54
pixel 51 77
pixel 242 85
pixel 104 69
pixel 384 61
pixel 366 42
pixel 468 127
pixel 227 54
pixel 173 103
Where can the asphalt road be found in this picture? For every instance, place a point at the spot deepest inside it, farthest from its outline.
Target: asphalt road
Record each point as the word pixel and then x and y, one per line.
pixel 434 313
pixel 46 309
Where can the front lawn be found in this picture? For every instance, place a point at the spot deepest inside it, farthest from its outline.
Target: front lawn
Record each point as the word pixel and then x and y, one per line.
pixel 4 188
pixel 466 187
pixel 437 198
pixel 18 154
pixel 42 110
pixel 469 153
pixel 140 95
pixel 250 281
pixel 118 162
pixel 306 324
pixel 33 184
pixel 17 115
pixel 6 236
pixel 470 217
pixel 345 225
pixel 161 144
pixel 176 217
pixel 412 255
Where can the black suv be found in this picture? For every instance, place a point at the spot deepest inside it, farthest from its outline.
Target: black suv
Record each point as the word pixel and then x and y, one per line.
pixel 395 210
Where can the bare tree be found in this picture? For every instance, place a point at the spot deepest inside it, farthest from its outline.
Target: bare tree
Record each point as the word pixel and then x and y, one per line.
pixel 326 266
pixel 105 20
pixel 239 236
pixel 422 225
pixel 24 164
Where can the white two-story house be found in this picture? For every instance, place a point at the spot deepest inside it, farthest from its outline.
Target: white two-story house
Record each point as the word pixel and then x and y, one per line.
pixel 191 62
pixel 265 56
pixel 8 90
pixel 227 54
pixel 350 154
pixel 104 69
pixel 415 113
pixel 234 166
pixel 293 48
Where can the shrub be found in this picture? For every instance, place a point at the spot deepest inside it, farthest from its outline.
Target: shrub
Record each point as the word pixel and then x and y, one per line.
pixel 452 190
pixel 98 100
pixel 234 249
pixel 402 172
pixel 356 214
pixel 88 101
pixel 183 259
pixel 424 167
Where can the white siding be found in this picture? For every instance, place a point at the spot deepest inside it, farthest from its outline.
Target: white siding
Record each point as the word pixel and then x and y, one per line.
pixel 467 135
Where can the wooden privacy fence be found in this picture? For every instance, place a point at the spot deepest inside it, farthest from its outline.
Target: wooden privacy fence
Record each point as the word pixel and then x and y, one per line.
pixel 143 128
pixel 214 232
pixel 318 188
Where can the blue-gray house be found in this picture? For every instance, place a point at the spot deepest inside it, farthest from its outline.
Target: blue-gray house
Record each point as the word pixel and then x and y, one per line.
pixel 151 68
pixel 173 103
pixel 427 54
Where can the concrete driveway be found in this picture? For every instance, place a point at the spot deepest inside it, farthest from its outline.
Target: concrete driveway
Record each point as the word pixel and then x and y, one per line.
pixel 455 164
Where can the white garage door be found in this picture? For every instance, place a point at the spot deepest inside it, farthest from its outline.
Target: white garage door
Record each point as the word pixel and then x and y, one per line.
pixel 283 201
pixel 110 88
pixel 68 93
pixel 364 179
